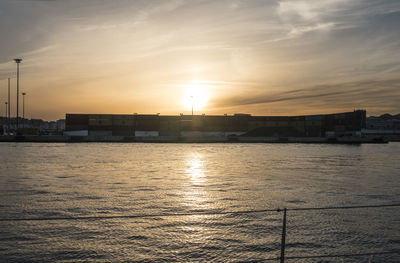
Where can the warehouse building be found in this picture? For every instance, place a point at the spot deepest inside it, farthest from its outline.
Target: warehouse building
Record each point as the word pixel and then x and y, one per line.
pixel 145 125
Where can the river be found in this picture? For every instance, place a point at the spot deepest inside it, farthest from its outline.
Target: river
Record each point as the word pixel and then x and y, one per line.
pixel 45 181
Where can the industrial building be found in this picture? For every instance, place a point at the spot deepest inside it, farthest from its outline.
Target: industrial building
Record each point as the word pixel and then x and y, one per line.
pixel 244 125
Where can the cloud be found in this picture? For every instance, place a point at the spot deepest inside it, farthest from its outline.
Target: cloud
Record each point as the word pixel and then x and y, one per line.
pixel 303 16
pixel 298 31
pixel 312 11
pixel 368 92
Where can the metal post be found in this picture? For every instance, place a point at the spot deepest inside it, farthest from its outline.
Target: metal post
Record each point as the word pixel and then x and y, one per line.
pixel 23 105
pixel 9 107
pixel 192 103
pixel 23 109
pixel 6 108
pixel 18 61
pixel 17 95
pixel 283 242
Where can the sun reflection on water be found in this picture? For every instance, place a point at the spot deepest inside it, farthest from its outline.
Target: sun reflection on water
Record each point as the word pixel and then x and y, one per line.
pixel 195 168
pixel 196 198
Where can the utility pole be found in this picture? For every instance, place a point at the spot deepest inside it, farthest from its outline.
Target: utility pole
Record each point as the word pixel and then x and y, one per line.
pixel 18 61
pixel 6 117
pixel 9 107
pixel 23 109
pixel 192 104
pixel 9 99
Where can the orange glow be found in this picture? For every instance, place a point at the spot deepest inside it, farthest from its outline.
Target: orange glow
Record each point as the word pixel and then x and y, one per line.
pixel 196 95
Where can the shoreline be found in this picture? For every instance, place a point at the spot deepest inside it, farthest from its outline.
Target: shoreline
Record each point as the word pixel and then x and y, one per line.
pixel 176 139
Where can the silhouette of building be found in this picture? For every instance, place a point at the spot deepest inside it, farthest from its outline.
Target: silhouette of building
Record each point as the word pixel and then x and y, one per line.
pixel 31 126
pixel 385 125
pixel 340 124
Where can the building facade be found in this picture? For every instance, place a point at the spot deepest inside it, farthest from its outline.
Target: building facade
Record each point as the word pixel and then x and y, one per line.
pixel 142 125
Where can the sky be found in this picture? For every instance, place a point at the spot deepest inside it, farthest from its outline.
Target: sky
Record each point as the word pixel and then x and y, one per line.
pixel 263 57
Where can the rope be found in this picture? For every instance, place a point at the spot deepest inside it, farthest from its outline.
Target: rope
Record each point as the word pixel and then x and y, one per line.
pixel 139 216
pixel 339 255
pixel 341 207
pixel 194 213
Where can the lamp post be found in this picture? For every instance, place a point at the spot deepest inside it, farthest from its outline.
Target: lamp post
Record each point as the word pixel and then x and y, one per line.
pixel 23 109
pixel 8 102
pixel 192 103
pixel 8 120
pixel 18 61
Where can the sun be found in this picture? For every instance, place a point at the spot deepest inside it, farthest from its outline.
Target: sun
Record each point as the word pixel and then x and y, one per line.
pixel 196 96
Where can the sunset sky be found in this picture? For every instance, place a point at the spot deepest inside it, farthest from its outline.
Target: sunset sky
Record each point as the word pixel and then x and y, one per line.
pixel 264 57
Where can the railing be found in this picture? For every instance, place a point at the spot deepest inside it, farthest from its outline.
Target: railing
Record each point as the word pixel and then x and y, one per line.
pixel 283 240
pixel 282 256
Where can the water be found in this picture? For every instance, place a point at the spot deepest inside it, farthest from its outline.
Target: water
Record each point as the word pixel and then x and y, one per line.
pixel 69 180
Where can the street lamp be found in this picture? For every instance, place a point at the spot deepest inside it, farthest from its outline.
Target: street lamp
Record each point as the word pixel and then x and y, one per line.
pixel 8 102
pixel 191 97
pixel 8 115
pixel 23 109
pixel 18 61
